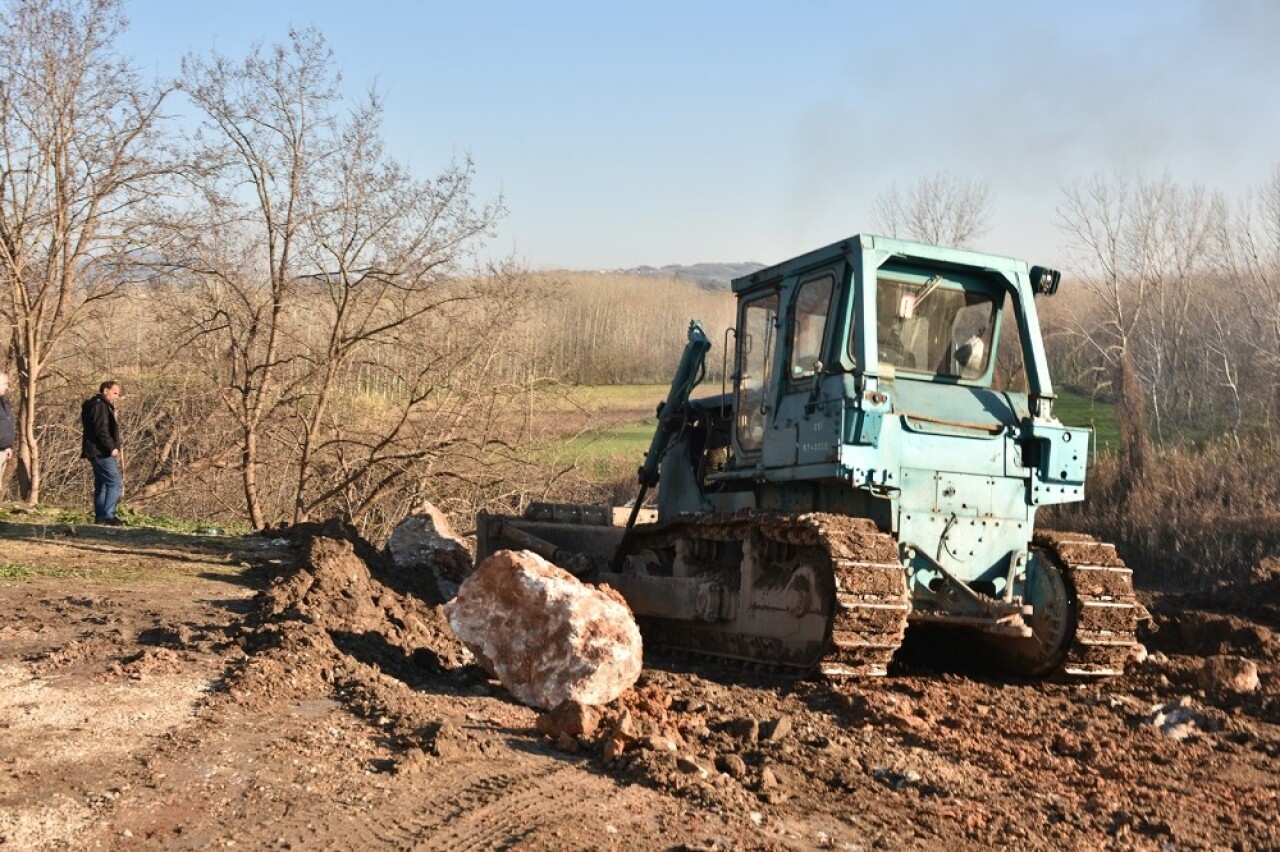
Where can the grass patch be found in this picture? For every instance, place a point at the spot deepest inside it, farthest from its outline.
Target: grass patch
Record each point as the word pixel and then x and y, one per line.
pixel 46 571
pixel 152 571
pixel 1080 411
pixel 58 516
pixel 627 439
pixel 15 571
pixel 178 525
pixel 618 397
pixel 619 421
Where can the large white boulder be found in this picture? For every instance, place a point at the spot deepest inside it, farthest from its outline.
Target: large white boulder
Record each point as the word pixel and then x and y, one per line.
pixel 547 636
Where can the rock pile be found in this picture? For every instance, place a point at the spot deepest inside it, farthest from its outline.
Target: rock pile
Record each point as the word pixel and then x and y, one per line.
pixel 710 752
pixel 425 541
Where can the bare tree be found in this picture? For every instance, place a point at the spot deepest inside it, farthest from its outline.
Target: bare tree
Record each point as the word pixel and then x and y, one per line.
pixel 313 252
pixel 78 131
pixel 1142 248
pixel 1111 225
pixel 1247 254
pixel 941 209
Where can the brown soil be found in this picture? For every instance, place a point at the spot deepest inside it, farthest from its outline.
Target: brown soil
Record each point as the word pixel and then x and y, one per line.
pixel 167 691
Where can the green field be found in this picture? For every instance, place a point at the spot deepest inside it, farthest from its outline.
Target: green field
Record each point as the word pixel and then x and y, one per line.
pixel 627 442
pixel 614 440
pixel 1076 410
pixel 613 398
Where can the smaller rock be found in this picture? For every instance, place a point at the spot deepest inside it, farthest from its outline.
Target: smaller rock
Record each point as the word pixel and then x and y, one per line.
pixel 732 765
pixel 442 740
pixel 689 766
pixel 670 733
pixel 658 743
pixel 1230 675
pixel 896 780
pixel 908 722
pixel 745 729
pixel 625 727
pixel 567 743
pixel 768 779
pixel 776 731
pixel 1177 721
pixel 613 748
pixel 569 717
pixel 426 540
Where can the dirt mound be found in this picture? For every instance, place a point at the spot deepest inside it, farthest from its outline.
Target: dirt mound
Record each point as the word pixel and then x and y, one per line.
pixel 332 623
pixel 1192 631
pixel 1241 618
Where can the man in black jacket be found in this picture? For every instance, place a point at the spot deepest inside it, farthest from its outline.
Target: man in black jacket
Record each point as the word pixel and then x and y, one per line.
pixel 101 446
pixel 7 430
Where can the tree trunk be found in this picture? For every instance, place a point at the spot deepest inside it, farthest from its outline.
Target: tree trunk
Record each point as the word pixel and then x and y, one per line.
pixel 249 476
pixel 1135 440
pixel 28 473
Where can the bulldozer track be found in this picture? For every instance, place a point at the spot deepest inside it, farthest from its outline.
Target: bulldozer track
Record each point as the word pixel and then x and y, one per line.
pixel 1107 610
pixel 861 586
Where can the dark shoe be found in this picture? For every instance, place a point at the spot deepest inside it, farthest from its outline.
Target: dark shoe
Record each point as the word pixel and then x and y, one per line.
pixel 110 522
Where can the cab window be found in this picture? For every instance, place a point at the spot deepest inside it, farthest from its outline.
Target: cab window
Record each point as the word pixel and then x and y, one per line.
pixel 934 328
pixel 756 345
pixel 808 325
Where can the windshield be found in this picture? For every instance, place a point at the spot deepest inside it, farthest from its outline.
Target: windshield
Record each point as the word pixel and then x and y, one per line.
pixel 934 328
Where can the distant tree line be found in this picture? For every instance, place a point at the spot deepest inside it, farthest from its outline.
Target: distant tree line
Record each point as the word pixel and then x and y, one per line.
pixel 615 328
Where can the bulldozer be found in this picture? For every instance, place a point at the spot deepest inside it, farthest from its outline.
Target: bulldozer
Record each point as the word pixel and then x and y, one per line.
pixel 858 473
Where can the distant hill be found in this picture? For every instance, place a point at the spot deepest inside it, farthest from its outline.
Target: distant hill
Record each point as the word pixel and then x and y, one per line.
pixel 709 276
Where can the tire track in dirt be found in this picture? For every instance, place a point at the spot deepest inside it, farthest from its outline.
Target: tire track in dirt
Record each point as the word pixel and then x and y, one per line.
pixel 513 808
pixel 474 805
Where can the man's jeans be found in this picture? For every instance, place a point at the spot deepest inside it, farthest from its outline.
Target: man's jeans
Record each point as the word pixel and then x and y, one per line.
pixel 107 484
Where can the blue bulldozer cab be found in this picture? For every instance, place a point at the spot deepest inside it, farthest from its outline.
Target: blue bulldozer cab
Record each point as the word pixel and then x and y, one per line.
pixel 863 363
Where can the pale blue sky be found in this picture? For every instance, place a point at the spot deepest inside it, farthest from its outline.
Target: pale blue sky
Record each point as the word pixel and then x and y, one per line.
pixel 660 132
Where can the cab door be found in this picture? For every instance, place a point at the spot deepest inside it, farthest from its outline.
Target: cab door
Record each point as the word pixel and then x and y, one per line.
pixel 756 378
pixel 802 432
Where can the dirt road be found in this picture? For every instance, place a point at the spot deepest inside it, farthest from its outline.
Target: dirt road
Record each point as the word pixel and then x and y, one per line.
pixel 168 691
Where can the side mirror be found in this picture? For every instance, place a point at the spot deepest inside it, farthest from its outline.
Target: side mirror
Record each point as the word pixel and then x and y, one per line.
pixel 1044 281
